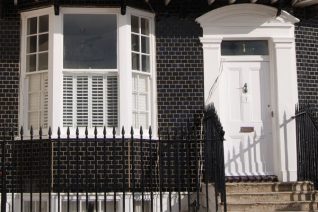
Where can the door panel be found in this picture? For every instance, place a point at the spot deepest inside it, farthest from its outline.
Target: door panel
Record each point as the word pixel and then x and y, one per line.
pixel 245 114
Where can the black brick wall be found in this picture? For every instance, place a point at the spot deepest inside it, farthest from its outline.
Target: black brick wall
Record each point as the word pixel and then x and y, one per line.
pixel 9 65
pixel 306 32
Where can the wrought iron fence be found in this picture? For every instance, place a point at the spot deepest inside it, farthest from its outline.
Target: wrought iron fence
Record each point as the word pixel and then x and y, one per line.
pixel 307 144
pixel 114 173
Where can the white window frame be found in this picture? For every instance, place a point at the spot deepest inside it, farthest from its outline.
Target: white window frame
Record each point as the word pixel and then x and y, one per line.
pixel 23 103
pixel 124 69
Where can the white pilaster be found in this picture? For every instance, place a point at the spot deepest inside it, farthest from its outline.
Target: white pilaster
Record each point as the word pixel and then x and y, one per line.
pixel 212 61
pixel 286 98
pixel 125 73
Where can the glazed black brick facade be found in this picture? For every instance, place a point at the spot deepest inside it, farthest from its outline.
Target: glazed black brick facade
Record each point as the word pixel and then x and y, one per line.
pixel 9 66
pixel 306 32
pixel 179 71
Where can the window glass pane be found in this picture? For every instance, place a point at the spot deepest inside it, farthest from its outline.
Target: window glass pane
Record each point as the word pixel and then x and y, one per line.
pixel 144 45
pixel 43 42
pixel 43 61
pixel 31 63
pixel 90 41
pixel 135 61
pixel 255 47
pixel 32 26
pixel 135 24
pixel 44 23
pixel 135 42
pixel 145 63
pixel 144 26
pixel 31 44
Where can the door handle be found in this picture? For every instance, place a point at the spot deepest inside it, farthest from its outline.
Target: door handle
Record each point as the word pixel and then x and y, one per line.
pixel 244 89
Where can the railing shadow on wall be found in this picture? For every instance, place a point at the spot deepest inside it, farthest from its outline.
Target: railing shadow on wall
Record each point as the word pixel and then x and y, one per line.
pixel 67 174
pixel 307 144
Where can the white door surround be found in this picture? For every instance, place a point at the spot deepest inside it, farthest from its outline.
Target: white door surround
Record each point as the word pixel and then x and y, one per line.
pixel 250 22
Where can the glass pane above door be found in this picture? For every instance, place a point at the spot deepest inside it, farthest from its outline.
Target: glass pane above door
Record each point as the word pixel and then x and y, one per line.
pixel 244 47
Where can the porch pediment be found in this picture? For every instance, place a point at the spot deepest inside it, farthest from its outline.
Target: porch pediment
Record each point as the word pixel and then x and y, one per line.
pixel 245 15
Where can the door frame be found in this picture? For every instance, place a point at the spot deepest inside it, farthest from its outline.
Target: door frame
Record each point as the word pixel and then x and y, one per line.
pixel 258 22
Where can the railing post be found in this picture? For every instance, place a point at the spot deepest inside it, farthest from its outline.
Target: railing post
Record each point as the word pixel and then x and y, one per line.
pixel 124 166
pixel 3 174
pixel 58 169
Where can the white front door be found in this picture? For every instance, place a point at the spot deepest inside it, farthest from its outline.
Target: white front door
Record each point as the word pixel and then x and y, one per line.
pixel 246 117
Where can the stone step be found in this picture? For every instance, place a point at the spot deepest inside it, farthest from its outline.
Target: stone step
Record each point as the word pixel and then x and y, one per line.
pixel 272 197
pixel 268 187
pixel 273 206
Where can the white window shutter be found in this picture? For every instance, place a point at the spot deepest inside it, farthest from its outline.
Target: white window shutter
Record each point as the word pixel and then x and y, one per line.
pixel 112 101
pixel 45 100
pixel 82 101
pixel 97 101
pixel 68 101
pixel 140 101
pixel 38 101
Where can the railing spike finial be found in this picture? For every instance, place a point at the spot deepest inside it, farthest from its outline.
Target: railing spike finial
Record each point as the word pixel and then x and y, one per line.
pixel 77 132
pixel 159 131
pixel 40 133
pixel 104 131
pixel 50 132
pixel 131 131
pixel 86 131
pixel 68 132
pixel 141 131
pixel 95 132
pixel 150 131
pixel 114 131
pixel 58 132
pixel 31 131
pixel 21 131
pixel 122 131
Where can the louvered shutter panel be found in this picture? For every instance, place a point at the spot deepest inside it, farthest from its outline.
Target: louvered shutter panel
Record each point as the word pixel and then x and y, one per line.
pixel 112 101
pixel 140 95
pixel 38 100
pixel 34 100
pixel 82 101
pixel 97 100
pixel 45 100
pixel 68 101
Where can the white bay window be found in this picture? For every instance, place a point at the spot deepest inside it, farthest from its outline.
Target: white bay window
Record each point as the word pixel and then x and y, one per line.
pixel 88 67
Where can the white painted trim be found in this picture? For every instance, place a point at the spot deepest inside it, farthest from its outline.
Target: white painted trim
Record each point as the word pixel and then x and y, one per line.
pixel 245 58
pixel 250 22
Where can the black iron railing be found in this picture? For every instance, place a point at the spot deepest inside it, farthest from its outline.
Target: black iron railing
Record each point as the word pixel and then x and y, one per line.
pixel 307 144
pixel 73 174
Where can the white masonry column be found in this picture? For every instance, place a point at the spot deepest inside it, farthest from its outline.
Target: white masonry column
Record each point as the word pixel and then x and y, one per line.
pixel 212 58
pixel 287 97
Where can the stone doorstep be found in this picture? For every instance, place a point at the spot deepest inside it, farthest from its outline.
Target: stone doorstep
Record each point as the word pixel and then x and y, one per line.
pixel 272 197
pixel 268 187
pixel 274 206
